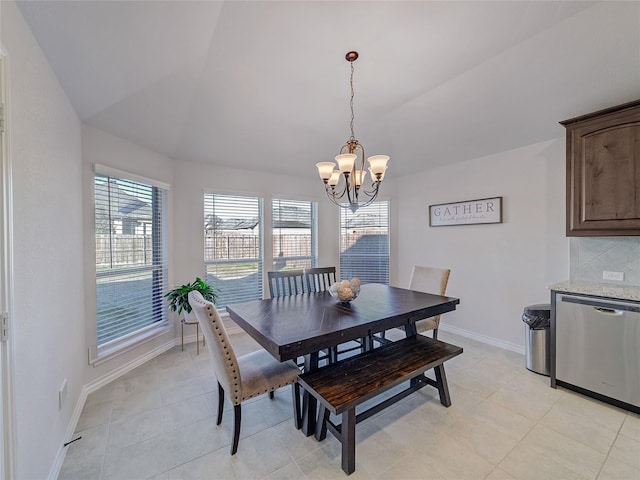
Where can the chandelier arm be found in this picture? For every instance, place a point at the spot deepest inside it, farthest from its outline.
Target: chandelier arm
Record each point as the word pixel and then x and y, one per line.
pixel 368 202
pixel 333 192
pixel 333 199
pixel 374 192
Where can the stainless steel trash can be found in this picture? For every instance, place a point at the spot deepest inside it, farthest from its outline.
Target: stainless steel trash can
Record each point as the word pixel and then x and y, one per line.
pixel 538 322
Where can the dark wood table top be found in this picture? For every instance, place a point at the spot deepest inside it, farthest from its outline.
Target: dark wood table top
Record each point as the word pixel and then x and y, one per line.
pixel 289 327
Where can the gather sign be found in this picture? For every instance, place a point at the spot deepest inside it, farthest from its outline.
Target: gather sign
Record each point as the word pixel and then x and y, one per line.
pixel 483 210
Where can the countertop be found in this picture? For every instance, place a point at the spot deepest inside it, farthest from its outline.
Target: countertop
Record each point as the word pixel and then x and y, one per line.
pixel 608 290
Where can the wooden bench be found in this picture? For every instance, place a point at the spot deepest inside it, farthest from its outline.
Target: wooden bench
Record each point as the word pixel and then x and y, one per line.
pixel 341 387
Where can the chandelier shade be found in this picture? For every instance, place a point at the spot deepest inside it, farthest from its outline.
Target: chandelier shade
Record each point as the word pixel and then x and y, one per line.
pixel 349 178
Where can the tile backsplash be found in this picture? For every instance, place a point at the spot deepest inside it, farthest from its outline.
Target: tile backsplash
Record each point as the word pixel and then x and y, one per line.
pixel 590 256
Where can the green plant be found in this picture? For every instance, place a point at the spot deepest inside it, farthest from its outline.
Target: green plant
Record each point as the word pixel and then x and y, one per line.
pixel 178 298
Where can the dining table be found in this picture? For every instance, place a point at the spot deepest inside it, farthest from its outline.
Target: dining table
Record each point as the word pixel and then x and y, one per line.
pixel 303 325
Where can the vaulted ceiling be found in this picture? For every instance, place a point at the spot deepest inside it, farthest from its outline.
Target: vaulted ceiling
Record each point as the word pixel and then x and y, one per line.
pixel 265 85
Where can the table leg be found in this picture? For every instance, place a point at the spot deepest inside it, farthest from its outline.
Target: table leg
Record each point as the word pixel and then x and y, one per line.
pixel 410 330
pixel 309 403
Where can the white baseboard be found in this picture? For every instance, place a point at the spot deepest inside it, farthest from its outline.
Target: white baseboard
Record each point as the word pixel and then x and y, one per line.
pixel 71 428
pixel 484 339
pixel 95 385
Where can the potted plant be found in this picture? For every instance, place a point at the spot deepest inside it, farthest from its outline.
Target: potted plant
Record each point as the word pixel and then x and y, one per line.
pixel 178 298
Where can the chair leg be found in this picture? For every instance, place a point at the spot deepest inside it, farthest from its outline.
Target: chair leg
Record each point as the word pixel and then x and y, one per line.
pixel 197 339
pixel 297 415
pixel 271 395
pixel 332 355
pixel 220 403
pixel 435 333
pixel 237 417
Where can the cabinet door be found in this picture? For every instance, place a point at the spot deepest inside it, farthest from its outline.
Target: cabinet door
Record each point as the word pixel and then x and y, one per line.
pixel 603 175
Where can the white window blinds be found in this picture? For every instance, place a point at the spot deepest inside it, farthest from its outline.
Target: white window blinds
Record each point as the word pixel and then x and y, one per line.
pixel 294 234
pixel 364 243
pixel 233 246
pixel 131 259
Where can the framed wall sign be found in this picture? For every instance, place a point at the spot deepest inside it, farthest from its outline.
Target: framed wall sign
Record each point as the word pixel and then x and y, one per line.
pixel 484 210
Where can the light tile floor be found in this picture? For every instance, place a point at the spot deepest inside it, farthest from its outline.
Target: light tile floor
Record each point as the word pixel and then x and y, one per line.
pixel 506 423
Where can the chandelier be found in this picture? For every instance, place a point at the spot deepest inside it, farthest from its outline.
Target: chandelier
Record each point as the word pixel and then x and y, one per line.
pixel 349 178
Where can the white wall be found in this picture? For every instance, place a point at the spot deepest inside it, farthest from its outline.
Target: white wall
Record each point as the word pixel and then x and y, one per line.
pixel 496 269
pixel 48 317
pixel 99 147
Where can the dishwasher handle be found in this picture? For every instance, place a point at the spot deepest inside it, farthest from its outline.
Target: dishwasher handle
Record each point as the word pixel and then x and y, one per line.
pixel 603 306
pixel 608 311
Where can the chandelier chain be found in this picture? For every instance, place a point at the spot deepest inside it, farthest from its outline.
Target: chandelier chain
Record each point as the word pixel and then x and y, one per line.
pixel 351 101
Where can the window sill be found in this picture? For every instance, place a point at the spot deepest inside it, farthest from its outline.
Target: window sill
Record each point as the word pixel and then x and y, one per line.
pixel 104 354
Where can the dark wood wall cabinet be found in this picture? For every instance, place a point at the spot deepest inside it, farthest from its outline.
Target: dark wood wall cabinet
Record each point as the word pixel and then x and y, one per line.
pixel 603 172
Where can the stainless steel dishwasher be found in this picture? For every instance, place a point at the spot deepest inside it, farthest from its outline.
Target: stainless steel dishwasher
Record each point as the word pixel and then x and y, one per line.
pixel 597 348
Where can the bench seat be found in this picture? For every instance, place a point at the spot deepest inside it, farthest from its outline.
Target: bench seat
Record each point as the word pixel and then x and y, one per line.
pixel 341 387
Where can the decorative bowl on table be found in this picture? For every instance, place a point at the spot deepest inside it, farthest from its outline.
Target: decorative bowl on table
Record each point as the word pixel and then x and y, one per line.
pixel 346 290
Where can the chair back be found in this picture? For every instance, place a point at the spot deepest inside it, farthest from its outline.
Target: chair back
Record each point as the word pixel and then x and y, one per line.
pixel 285 283
pixel 225 363
pixel 319 279
pixel 430 280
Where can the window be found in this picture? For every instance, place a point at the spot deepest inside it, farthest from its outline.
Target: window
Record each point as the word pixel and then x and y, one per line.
pixel 233 246
pixel 364 243
pixel 131 258
pixel 294 234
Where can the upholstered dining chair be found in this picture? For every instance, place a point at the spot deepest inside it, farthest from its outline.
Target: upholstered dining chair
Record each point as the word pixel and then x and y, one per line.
pixel 429 280
pixel 242 377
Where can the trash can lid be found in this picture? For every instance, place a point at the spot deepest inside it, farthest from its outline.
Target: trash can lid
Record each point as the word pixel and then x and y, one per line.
pixel 539 310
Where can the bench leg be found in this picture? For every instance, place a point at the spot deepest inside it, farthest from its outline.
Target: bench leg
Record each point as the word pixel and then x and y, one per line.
pixel 443 387
pixel 297 414
pixel 321 424
pixel 309 402
pixel 348 432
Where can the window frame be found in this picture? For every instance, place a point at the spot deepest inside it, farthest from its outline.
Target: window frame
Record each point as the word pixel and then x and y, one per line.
pixel 313 247
pixel 341 228
pixel 260 260
pixel 107 350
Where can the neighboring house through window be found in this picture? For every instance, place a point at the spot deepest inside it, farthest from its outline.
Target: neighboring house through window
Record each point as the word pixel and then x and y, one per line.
pixel 364 243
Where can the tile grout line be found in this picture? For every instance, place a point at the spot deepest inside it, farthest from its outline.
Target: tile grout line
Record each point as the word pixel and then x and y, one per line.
pixel 606 458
